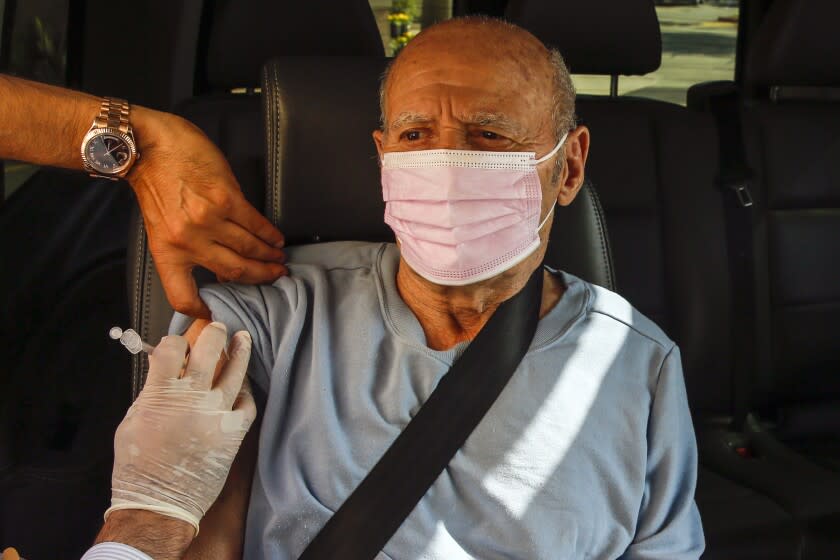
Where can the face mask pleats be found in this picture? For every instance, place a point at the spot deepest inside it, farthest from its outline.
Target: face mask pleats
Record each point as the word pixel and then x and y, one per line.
pixel 463 216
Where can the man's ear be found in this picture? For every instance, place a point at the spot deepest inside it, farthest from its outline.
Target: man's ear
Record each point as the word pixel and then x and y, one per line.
pixel 377 139
pixel 576 152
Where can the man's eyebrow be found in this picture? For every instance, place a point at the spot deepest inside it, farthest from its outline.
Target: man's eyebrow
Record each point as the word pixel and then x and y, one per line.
pixel 491 118
pixel 480 118
pixel 408 117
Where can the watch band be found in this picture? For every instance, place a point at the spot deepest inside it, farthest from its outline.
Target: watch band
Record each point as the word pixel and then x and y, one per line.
pixel 113 113
pixel 113 116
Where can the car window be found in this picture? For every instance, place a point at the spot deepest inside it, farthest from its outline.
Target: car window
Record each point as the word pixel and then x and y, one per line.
pixel 399 21
pixel 698 45
pixel 34 45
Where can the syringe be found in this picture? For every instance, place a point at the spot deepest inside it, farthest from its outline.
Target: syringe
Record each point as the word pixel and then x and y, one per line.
pixel 131 340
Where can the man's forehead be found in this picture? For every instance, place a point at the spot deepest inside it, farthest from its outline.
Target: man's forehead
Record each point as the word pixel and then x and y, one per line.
pixel 498 104
pixel 482 94
pixel 493 80
pixel 446 64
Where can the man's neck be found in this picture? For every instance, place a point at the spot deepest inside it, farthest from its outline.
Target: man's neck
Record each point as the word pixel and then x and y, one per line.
pixel 453 314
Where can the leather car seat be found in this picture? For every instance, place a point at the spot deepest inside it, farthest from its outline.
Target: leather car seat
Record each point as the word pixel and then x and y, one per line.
pixel 242 36
pixel 791 120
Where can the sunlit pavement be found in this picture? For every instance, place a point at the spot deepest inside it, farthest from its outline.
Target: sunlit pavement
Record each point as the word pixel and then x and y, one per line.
pixel 698 45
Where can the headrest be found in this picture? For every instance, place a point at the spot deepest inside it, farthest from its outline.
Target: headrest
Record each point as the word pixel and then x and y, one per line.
pixel 595 36
pixel 796 45
pixel 323 180
pixel 247 33
pixel 322 175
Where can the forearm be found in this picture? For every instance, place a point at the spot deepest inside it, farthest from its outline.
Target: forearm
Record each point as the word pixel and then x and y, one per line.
pixel 222 533
pixel 45 124
pixel 161 537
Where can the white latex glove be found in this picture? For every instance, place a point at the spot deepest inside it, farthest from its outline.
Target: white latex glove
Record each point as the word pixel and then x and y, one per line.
pixel 173 450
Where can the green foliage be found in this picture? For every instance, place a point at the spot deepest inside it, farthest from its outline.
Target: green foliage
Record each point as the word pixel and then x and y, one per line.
pixel 410 7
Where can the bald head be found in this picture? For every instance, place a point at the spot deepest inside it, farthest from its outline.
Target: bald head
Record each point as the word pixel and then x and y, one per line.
pixel 504 51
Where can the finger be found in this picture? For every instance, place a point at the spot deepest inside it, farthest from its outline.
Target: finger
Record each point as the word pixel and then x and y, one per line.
pixel 249 218
pixel 240 240
pixel 182 291
pixel 268 278
pixel 205 355
pixel 238 421
pixel 245 403
pixel 231 267
pixel 230 381
pixel 167 360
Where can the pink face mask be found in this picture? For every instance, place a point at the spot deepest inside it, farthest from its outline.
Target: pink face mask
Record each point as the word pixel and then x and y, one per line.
pixel 463 216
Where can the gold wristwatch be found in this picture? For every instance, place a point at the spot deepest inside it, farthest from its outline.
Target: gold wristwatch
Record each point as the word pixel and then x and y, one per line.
pixel 108 148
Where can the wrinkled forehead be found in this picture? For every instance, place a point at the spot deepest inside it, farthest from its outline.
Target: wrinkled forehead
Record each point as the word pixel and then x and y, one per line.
pixel 484 72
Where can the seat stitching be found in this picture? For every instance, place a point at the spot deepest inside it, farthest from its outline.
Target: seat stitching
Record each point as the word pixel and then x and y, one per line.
pixel 138 296
pixel 601 224
pixel 275 99
pixel 149 269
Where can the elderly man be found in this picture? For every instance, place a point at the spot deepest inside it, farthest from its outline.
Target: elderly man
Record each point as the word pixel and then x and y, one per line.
pixel 589 450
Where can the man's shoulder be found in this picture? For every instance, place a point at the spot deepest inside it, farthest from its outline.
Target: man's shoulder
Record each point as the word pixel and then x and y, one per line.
pixel 312 269
pixel 615 308
pixel 336 255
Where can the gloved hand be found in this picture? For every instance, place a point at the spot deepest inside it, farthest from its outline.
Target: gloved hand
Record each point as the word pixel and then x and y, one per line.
pixel 173 450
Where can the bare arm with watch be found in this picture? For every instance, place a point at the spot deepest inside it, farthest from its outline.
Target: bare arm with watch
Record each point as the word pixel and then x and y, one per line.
pixel 192 205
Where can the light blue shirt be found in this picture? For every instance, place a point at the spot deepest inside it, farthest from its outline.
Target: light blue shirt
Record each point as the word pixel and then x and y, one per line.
pixel 589 451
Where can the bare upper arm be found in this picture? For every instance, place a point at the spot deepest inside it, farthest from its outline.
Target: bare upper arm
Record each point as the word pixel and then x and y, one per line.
pixel 195 329
pixel 192 335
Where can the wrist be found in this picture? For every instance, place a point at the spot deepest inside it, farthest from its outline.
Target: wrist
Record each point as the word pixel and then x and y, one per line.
pixel 85 110
pixel 159 536
pixel 157 134
pixel 148 126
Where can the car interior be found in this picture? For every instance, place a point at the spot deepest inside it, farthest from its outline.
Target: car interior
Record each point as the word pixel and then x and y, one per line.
pixel 717 215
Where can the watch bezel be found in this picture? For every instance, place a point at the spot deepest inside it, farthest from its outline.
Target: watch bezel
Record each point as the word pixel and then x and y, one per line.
pixel 124 136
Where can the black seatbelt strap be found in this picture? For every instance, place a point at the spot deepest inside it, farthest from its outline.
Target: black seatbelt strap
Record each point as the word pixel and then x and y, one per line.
pixel 735 179
pixel 378 506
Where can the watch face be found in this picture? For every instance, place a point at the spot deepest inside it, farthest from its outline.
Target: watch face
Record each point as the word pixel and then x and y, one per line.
pixel 107 153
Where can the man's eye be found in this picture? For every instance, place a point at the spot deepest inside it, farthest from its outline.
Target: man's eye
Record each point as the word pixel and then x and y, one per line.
pixel 489 135
pixel 412 135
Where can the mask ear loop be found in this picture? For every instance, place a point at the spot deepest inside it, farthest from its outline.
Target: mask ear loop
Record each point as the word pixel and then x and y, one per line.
pixel 547 216
pixel 553 151
pixel 542 159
